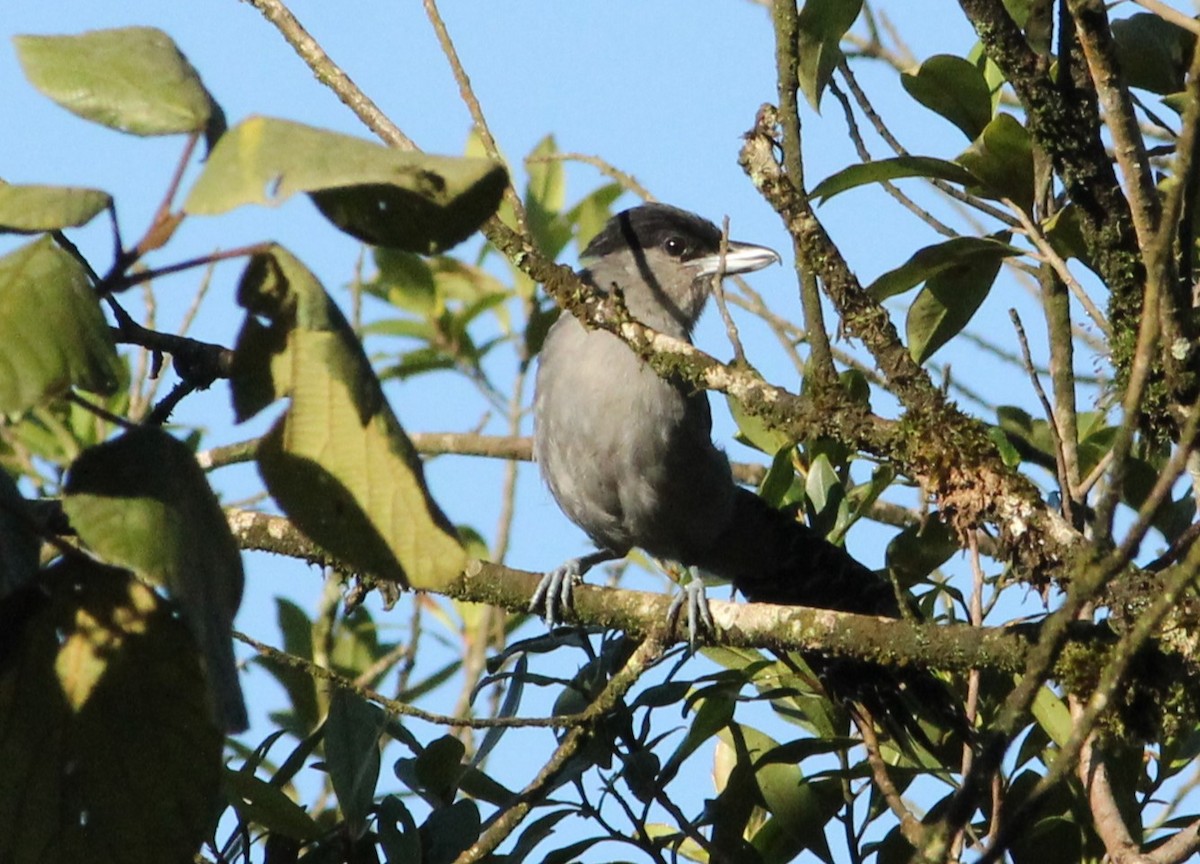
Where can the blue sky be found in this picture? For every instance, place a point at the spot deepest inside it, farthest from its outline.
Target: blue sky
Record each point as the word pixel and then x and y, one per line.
pixel 662 90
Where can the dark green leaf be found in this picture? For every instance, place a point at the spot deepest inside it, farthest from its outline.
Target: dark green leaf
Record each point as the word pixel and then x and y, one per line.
pixel 450 831
pixel 337 461
pixel 891 169
pixel 954 88
pixel 102 712
pixel 52 332
pixel 946 303
pixel 932 260
pixel 352 755
pixel 260 803
pixel 1001 158
pixel 822 24
pixel 398 835
pixel 439 767
pixel 918 550
pixel 1153 53
pixel 48 208
pixel 133 79
pixel 378 194
pixel 142 502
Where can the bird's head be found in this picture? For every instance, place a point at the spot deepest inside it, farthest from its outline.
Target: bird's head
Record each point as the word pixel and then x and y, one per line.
pixel 664 260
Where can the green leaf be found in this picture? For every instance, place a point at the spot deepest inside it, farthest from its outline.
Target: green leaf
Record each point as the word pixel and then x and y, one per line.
pixel 918 550
pixel 352 755
pixel 754 432
pixel 52 332
pixel 337 461
pixel 142 502
pixel 48 208
pixel 932 260
pixel 381 195
pixel 545 197
pixel 260 803
pixel 1153 53
pixel 946 303
pixel 1052 715
pixel 450 831
pixel 439 767
pixel 821 25
pixel 953 88
pixel 398 835
pixel 102 713
pixel 891 169
pixel 133 79
pixel 1001 158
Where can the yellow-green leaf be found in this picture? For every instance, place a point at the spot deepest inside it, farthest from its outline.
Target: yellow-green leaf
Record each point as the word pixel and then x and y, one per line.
pixel 381 195
pixel 133 79
pixel 48 208
pixel 102 712
pixel 142 502
pixel 337 461
pixel 52 332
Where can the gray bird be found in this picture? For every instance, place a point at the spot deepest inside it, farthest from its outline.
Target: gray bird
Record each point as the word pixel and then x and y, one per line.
pixel 629 457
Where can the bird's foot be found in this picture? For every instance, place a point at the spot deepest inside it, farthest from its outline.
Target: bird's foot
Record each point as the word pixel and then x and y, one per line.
pixel 699 617
pixel 556 592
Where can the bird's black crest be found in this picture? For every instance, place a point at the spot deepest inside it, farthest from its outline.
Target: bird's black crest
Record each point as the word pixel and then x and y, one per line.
pixel 649 225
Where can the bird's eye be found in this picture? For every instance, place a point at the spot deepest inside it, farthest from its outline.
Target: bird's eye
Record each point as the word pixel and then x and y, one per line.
pixel 675 246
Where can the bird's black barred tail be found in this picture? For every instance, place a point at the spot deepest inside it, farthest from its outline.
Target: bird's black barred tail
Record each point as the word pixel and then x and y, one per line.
pixel 771 558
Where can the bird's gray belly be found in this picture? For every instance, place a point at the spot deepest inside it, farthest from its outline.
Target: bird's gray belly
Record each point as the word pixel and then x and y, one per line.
pixel 626 454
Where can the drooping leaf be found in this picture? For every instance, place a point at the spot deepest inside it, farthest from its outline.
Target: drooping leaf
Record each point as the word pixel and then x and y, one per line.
pixel 52 332
pixel 928 262
pixel 102 711
pixel 337 461
pixel 142 502
pixel 48 208
pixel 822 24
pixel 946 303
pixel 398 835
pixel 381 195
pixel 890 169
pixel 1153 52
pixel 352 755
pixel 133 79
pixel 1001 158
pixel 954 88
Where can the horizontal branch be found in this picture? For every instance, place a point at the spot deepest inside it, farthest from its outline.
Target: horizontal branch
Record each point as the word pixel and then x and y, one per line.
pixel 956 647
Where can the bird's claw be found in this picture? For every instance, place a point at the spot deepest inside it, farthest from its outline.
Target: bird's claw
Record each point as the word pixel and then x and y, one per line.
pixel 699 616
pixel 556 592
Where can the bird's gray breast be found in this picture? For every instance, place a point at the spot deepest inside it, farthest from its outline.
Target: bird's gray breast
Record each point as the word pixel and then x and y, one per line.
pixel 627 455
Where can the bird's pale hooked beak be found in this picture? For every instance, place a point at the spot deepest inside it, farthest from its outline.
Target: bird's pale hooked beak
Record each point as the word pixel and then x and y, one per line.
pixel 739 258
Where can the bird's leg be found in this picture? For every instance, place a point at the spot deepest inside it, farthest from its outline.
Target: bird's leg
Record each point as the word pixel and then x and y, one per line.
pixel 556 591
pixel 699 617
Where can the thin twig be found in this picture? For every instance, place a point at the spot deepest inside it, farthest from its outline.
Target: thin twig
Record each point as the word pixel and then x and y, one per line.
pixel 1035 235
pixel 467 94
pixel 1060 460
pixel 622 178
pixel 718 288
